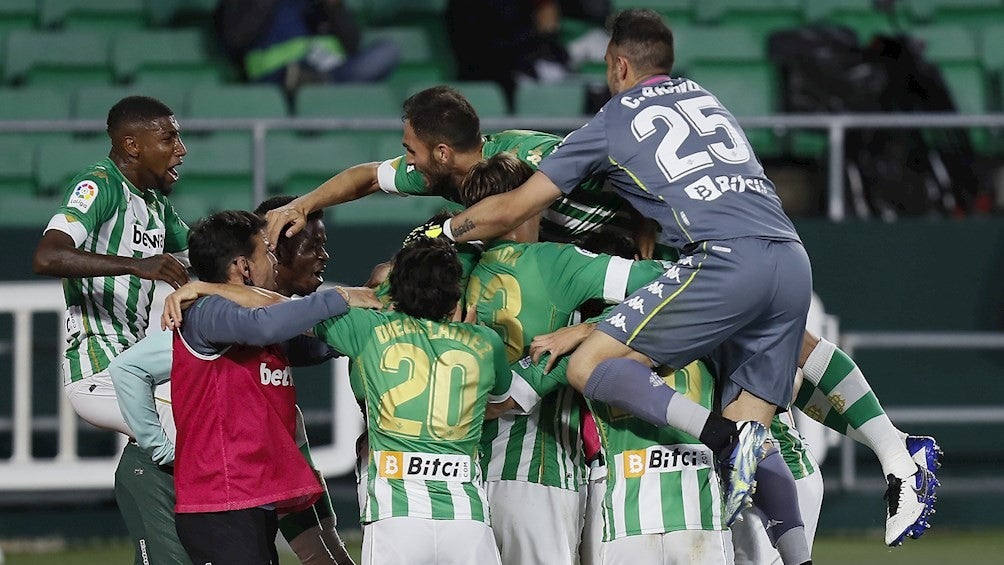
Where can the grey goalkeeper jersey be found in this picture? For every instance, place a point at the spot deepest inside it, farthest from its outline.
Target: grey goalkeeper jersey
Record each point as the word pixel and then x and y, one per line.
pixel 671 149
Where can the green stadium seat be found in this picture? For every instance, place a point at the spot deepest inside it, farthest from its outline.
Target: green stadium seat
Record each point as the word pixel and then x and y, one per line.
pixel 388 145
pixel 193 207
pixel 421 58
pixel 762 15
pixel 401 79
pixel 948 44
pixel 17 159
pixel 723 45
pixel 348 101
pixel 60 159
pixel 93 102
pixel 94 15
pixel 967 13
pixel 27 211
pixel 56 57
pixel 745 91
pixel 296 166
pixel 992 48
pixel 237 101
pixel 859 15
pixel 486 97
pixel 675 11
pixel 218 169
pixel 164 12
pixel 33 103
pixel 165 57
pixel 16 14
pixel 551 100
pixel 382 208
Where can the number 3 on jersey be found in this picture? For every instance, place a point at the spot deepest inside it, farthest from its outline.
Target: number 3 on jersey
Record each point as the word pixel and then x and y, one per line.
pixel 685 118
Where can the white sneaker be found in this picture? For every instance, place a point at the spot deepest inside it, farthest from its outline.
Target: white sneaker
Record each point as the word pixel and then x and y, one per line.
pixel 910 502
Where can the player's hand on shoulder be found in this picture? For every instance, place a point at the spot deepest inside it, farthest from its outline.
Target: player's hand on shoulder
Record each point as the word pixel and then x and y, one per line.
pixel 176 302
pixel 360 297
pixel 163 267
pixel 558 343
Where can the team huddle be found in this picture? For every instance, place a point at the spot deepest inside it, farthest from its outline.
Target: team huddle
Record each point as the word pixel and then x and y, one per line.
pixel 595 361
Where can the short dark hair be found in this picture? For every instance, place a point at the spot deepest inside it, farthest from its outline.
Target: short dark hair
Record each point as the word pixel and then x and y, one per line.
pixel 425 279
pixel 442 115
pixel 645 39
pixel 499 173
pixel 284 249
pixel 217 240
pixel 133 110
pixel 608 242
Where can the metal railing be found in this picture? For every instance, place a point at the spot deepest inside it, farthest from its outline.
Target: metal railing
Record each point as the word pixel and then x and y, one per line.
pixel 68 470
pixel 852 342
pixel 836 126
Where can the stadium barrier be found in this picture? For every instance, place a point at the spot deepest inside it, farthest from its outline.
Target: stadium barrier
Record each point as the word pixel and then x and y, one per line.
pixel 836 126
pixel 68 470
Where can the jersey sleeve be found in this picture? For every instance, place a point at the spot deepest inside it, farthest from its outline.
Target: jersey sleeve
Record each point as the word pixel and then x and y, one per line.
pixel 500 364
pixel 87 204
pixel 395 176
pixel 582 154
pixel 581 275
pixel 348 333
pixel 175 231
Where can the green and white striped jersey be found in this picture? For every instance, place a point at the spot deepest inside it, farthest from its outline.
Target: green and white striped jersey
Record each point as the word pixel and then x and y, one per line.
pixel 426 386
pixel 792 446
pixel 105 214
pixel 527 289
pixel 582 211
pixel 659 479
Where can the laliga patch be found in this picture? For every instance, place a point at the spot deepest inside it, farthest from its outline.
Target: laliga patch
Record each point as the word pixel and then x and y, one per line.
pixel 83 196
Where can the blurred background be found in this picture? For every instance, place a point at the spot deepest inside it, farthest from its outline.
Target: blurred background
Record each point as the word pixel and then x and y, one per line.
pixel 880 122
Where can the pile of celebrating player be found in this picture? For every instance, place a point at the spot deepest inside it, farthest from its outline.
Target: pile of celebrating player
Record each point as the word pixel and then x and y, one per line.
pixel 603 374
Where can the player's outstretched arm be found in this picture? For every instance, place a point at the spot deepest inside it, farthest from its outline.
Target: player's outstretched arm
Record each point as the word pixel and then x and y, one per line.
pixel 351 184
pixel 499 214
pixel 243 295
pixel 57 256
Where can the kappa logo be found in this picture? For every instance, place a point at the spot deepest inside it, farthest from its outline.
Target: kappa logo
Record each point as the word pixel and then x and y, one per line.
pixel 278 377
pixel 673 273
pixel 83 195
pixel 655 288
pixel 618 321
pixel 636 303
pixel 687 261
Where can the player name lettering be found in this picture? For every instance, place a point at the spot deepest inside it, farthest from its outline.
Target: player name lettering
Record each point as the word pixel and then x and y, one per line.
pixel 424 466
pixel 665 459
pixel 653 91
pixel 278 377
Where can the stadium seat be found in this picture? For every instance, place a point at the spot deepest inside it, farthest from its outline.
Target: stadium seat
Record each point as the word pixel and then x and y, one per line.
pixel 348 101
pixel 16 173
pixel 745 91
pixel 56 57
pixel 60 159
pixel 486 97
pixel 859 15
pixel 675 11
pixel 992 48
pixel 27 211
pixel 93 102
pixel 33 103
pixel 243 101
pixel 551 100
pixel 421 58
pixel 948 44
pixel 164 12
pixel 16 14
pixel 762 15
pixel 94 15
pixel 721 45
pixel 164 57
pixel 193 206
pixel 381 208
pixel 296 166
pixel 388 145
pixel 218 169
pixel 972 14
